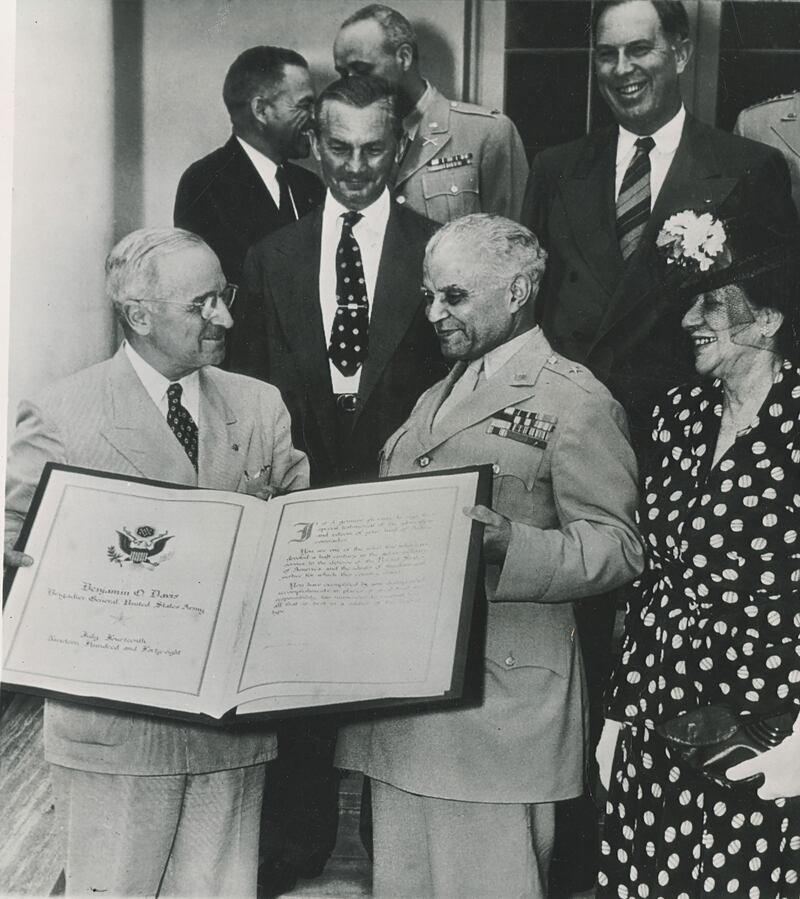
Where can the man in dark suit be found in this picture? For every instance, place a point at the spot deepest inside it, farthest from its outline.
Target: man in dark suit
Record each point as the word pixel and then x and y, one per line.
pixel 597 303
pixel 246 189
pixel 333 316
pixel 597 205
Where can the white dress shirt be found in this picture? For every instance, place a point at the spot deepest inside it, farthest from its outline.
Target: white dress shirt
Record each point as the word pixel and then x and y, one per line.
pixel 369 232
pixel 156 385
pixel 666 138
pixel 266 169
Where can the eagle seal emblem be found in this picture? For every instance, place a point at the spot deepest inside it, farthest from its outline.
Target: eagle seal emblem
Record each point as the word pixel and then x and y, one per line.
pixel 139 547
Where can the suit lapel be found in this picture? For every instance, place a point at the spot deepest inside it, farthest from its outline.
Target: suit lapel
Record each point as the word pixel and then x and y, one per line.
pixel 695 180
pixel 139 432
pixel 253 200
pixel 587 192
pixel 220 465
pixel 295 292
pixel 433 135
pixel 394 305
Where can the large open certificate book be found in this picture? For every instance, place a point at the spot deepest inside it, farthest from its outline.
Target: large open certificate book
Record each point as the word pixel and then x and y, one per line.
pixel 201 601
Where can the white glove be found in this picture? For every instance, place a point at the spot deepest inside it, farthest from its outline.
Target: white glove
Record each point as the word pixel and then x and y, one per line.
pixel 604 754
pixel 780 767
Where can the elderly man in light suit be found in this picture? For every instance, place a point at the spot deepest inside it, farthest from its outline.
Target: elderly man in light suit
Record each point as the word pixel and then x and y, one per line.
pixel 463 799
pixel 153 806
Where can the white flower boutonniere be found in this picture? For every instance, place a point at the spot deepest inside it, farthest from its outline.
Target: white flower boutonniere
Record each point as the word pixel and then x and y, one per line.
pixel 693 241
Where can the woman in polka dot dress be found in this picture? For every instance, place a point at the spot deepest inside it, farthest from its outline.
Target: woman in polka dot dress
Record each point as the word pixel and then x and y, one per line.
pixel 716 615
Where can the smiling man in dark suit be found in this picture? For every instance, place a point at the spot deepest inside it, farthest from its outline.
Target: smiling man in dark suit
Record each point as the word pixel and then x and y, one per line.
pixel 333 316
pixel 247 188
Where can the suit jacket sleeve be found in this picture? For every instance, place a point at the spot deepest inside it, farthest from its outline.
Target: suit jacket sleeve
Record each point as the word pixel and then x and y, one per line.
pixel 596 548
pixel 769 193
pixel 504 168
pixel 248 346
pixel 35 443
pixel 535 204
pixel 290 469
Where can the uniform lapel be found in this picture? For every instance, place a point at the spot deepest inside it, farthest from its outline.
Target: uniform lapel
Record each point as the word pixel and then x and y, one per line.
pixel 433 135
pixel 138 430
pixel 507 387
pixel 788 130
pixel 587 192
pixel 221 462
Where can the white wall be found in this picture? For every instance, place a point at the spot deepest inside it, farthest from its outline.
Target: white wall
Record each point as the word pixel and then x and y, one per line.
pixel 62 191
pixel 189 45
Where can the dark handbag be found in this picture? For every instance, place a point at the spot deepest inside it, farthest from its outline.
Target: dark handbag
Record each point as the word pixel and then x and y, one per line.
pixel 711 739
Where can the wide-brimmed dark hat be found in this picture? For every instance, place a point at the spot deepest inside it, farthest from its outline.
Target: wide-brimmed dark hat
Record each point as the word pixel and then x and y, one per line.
pixel 698 253
pixel 701 253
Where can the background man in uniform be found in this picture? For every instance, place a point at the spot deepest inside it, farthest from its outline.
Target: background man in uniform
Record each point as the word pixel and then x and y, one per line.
pixel 463 799
pixel 597 205
pixel 455 157
pixel 247 188
pixel 334 317
pixel 776 122
pixel 154 806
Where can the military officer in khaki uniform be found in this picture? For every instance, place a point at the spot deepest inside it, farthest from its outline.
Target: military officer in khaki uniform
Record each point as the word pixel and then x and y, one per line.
pixel 455 158
pixel 463 799
pixel 776 122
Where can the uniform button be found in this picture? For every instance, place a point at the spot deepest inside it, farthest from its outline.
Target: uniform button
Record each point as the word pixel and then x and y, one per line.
pixel 453 189
pixel 510 661
pixel 424 461
pixel 496 468
pixel 401 199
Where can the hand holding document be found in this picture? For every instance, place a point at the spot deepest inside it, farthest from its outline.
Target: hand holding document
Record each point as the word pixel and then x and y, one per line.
pixel 201 601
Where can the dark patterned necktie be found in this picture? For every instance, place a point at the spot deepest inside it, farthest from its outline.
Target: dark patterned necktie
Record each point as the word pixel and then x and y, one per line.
pixel 285 208
pixel 633 202
pixel 349 335
pixel 181 423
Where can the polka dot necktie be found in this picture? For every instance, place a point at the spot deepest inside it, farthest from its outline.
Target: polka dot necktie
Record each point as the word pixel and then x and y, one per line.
pixel 349 335
pixel 181 423
pixel 633 202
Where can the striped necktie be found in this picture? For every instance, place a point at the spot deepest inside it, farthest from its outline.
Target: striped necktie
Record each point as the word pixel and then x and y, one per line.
pixel 633 202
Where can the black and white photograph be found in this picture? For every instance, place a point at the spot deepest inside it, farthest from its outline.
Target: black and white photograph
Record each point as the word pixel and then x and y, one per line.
pixel 402 449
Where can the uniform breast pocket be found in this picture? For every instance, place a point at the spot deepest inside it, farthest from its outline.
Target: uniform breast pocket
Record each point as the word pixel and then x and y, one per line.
pixel 518 471
pixel 451 193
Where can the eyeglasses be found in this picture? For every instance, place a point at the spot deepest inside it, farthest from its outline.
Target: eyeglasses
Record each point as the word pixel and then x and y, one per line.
pixel 205 305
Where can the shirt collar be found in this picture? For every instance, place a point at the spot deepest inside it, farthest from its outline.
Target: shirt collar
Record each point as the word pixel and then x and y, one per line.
pixel 373 217
pixel 412 120
pixel 495 359
pixel 264 165
pixel 666 138
pixel 156 384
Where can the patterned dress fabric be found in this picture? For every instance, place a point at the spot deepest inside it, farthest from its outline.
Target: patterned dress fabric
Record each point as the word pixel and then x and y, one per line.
pixel 181 422
pixel 715 619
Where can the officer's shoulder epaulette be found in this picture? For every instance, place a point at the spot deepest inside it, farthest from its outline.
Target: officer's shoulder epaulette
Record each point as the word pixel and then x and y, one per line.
pixel 572 371
pixel 473 109
pixel 776 99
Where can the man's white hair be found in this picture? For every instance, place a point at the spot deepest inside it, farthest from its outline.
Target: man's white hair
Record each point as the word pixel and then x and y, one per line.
pixel 505 248
pixel 131 271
